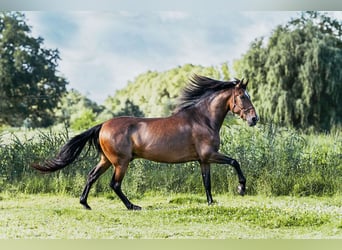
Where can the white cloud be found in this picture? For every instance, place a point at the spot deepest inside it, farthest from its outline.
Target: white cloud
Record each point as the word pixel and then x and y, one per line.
pixel 173 15
pixel 102 51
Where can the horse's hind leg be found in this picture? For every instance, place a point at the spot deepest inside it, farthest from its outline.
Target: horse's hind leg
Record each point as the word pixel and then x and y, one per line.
pixel 93 175
pixel 116 181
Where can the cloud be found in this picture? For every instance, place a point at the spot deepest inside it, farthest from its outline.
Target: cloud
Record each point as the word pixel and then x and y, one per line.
pixel 173 15
pixel 102 51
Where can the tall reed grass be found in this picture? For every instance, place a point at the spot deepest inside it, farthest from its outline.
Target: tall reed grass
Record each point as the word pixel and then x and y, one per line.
pixel 276 161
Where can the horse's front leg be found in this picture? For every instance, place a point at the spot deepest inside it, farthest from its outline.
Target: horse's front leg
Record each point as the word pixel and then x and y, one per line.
pixel 222 159
pixel 205 168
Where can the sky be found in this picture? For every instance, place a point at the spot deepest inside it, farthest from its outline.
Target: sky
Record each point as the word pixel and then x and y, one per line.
pixel 102 51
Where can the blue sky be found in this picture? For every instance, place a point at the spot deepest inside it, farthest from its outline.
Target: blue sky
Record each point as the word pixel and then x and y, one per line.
pixel 101 51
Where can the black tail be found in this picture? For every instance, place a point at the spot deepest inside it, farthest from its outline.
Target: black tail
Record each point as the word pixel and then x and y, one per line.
pixel 71 150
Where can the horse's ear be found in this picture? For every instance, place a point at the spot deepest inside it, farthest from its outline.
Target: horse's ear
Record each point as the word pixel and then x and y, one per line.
pixel 246 83
pixel 242 84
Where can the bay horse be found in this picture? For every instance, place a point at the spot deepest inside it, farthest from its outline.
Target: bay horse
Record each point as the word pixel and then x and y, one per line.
pixel 191 133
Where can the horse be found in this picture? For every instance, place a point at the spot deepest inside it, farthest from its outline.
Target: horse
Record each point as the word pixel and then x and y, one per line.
pixel 190 133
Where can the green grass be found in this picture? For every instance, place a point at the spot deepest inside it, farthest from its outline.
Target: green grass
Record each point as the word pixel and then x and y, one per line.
pixel 176 216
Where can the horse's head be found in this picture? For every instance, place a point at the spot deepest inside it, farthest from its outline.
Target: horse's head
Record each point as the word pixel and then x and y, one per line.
pixel 241 104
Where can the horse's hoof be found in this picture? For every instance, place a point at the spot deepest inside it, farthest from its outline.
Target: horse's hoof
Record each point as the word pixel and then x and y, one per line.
pixel 212 203
pixel 85 205
pixel 241 189
pixel 134 207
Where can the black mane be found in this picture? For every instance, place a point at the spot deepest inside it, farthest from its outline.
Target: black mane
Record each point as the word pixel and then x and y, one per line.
pixel 199 88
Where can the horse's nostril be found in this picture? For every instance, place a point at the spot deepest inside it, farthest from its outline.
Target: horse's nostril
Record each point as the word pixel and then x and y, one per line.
pixel 252 121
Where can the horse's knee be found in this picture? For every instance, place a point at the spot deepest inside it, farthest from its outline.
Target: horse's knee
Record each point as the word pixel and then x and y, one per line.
pixel 234 163
pixel 115 185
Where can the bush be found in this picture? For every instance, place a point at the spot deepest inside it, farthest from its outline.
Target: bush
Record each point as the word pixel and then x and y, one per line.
pixel 279 161
pixel 86 120
pixel 275 161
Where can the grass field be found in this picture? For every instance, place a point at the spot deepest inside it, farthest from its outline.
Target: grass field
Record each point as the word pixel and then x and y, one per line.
pixel 177 216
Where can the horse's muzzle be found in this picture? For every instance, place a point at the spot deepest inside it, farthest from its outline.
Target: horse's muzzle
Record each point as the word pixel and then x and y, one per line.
pixel 252 121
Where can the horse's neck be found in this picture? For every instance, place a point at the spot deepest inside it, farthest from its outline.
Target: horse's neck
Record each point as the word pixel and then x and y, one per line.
pixel 215 110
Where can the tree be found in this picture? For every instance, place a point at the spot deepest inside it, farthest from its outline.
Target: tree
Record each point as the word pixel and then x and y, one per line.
pixel 155 93
pixel 75 107
pixel 29 85
pixel 85 120
pixel 296 81
pixel 225 71
pixel 130 109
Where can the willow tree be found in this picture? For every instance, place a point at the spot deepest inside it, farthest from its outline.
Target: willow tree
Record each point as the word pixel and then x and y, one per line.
pixel 296 77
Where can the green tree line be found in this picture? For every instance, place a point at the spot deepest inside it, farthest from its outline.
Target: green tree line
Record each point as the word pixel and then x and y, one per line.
pixel 155 93
pixel 294 78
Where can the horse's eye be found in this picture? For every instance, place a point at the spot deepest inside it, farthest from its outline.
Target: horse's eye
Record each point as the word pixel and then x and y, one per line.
pixel 242 97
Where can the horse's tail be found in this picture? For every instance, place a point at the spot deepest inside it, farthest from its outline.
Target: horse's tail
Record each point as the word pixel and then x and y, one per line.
pixel 71 150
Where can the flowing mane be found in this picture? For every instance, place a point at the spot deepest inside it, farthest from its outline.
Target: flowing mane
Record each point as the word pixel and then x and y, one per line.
pixel 199 88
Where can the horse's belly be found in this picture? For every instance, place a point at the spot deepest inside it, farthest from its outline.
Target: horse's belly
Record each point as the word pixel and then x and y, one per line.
pixel 164 140
pixel 167 152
